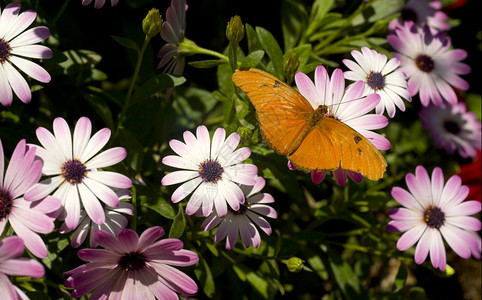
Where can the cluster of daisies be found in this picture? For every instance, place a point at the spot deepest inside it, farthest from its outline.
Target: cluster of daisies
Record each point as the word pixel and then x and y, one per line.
pixel 66 177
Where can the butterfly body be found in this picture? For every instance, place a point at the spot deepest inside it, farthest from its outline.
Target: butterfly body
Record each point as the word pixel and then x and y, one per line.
pixel 311 138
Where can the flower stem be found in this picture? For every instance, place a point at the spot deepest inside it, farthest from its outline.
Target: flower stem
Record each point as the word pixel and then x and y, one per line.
pixel 201 50
pixel 60 12
pixel 134 204
pixel 132 82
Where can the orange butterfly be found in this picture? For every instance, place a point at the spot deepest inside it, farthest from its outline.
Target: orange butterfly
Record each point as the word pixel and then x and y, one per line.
pixel 309 138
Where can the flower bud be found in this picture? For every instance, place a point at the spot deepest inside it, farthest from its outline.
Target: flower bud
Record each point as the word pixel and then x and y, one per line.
pixel 294 264
pixel 152 23
pixel 245 134
pixel 235 30
pixel 291 63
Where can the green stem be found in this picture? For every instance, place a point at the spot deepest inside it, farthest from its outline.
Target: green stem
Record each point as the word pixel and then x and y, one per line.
pixel 134 203
pixel 132 82
pixel 201 50
pixel 60 12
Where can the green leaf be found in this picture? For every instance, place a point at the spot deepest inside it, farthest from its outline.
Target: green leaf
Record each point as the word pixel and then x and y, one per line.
pixel 126 43
pixel 253 59
pixel 259 283
pixel 101 108
pixel 159 83
pixel 206 64
pixel 400 279
pixel 178 225
pixel 205 277
pixel 318 12
pixel 272 48
pixel 160 206
pixel 293 22
pixel 252 38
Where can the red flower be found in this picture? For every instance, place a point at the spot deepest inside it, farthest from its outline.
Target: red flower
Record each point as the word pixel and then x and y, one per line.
pixel 471 176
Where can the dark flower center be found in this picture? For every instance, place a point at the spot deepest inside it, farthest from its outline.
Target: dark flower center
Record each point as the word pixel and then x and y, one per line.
pixel 132 261
pixel 4 51
pixel 242 208
pixel 434 217
pixel 452 127
pixel 5 204
pixel 210 171
pixel 74 171
pixel 376 81
pixel 409 14
pixel 424 62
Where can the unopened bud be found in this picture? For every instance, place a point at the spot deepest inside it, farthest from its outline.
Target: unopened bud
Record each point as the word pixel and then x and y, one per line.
pixel 291 63
pixel 152 23
pixel 245 134
pixel 235 30
pixel 294 264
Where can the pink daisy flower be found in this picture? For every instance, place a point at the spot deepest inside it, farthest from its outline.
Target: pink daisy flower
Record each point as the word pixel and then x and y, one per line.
pixel 381 76
pixel 99 3
pixel 173 33
pixel 433 211
pixel 212 171
pixel 244 220
pixel 11 265
pixel 348 106
pixel 71 165
pixel 115 221
pixel 133 267
pixel 16 43
pixel 26 218
pixel 453 128
pixel 422 13
pixel 431 67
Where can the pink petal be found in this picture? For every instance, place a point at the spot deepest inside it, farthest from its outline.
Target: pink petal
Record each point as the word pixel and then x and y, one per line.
pixel 409 238
pixel 6 95
pixel 31 69
pixel 34 51
pixel 97 142
pixel 150 235
pixel 102 192
pixel 176 279
pixel 32 241
pixel 82 131
pixel 17 82
pixel 91 204
pixel 111 179
pixel 107 158
pixel 128 239
pixel 437 251
pixel 22 267
pixel 31 36
pixel 10 247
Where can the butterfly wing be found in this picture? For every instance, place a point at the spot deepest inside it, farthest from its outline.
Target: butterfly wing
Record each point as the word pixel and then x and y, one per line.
pixel 332 144
pixel 281 111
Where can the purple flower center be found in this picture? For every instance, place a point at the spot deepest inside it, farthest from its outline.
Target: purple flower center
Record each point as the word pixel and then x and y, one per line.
pixel 132 261
pixel 74 171
pixel 376 80
pixel 210 171
pixel 4 51
pixel 5 204
pixel 452 127
pixel 409 14
pixel 424 62
pixel 434 217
